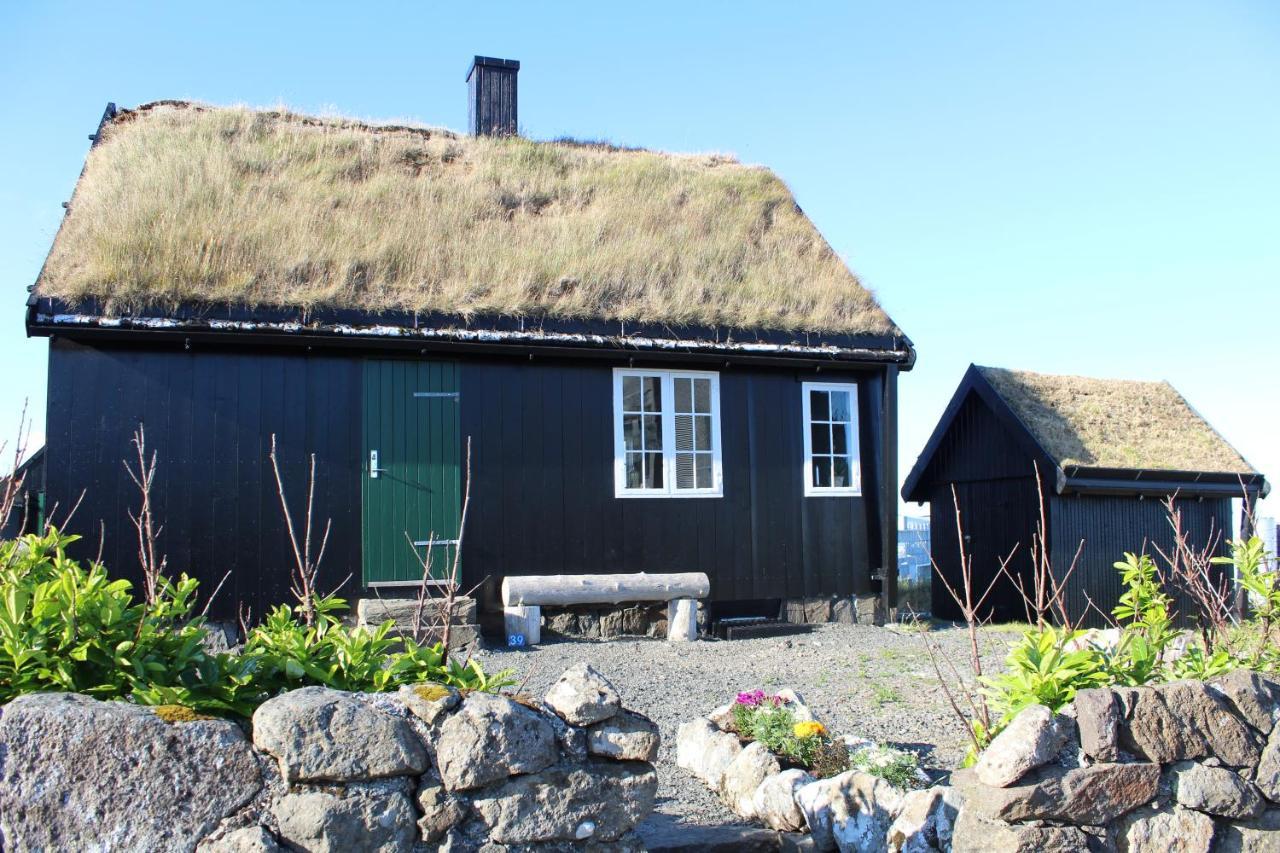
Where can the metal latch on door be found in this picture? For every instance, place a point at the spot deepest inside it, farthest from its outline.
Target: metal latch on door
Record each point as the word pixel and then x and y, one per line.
pixel 374 470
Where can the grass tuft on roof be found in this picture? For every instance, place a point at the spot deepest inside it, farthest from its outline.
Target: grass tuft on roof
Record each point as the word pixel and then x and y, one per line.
pixel 1113 423
pixel 183 203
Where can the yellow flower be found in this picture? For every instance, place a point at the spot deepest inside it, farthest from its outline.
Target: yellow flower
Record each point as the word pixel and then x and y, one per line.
pixel 809 728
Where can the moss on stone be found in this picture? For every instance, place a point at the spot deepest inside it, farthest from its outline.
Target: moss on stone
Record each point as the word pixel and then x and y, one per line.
pixel 431 692
pixel 179 714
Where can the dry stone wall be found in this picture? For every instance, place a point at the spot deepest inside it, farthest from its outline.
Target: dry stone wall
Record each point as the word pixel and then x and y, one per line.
pixel 1189 766
pixel 324 770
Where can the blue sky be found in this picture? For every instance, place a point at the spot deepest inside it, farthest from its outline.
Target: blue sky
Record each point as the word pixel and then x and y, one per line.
pixel 1083 187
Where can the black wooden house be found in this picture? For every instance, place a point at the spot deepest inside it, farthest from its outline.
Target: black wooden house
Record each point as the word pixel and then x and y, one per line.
pixel 658 362
pixel 1107 454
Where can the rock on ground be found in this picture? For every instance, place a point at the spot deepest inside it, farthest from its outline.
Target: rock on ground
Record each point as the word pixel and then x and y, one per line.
pixel 1098 721
pixel 1261 835
pixel 377 819
pixel 583 696
pixel 601 801
pixel 925 822
pixel 745 773
pixel 1184 720
pixel 774 800
pixel 76 773
pixel 491 737
pixel 318 734
pixel 705 751
pixel 1255 696
pixel 1031 740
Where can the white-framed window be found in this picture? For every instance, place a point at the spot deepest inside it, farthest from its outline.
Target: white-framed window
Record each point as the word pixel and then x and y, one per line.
pixel 831 459
pixel 666 433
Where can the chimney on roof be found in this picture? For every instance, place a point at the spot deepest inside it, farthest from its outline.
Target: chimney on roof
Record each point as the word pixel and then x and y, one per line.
pixel 491 96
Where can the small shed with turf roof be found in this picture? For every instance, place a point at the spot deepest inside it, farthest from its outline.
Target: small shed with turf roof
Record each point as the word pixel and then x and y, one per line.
pixel 656 360
pixel 1092 462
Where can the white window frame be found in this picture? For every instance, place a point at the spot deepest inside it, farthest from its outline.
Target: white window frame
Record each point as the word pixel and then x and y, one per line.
pixel 855 446
pixel 668 489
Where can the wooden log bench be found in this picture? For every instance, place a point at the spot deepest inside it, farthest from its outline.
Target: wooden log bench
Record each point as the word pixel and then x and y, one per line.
pixel 524 596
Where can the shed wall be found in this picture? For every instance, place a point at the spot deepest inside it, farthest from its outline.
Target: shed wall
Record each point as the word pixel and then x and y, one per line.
pixel 1110 525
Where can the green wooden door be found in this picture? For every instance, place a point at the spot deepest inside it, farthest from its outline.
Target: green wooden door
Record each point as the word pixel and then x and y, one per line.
pixel 412 480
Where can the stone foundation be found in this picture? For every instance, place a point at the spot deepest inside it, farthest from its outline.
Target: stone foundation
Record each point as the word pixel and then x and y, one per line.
pixel 324 770
pixel 855 610
pixel 596 622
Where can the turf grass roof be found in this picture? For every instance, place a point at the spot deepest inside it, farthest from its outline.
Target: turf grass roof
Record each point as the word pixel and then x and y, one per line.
pixel 180 203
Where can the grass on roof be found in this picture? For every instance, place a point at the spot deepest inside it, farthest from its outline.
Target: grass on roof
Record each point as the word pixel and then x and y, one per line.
pixel 1110 423
pixel 230 205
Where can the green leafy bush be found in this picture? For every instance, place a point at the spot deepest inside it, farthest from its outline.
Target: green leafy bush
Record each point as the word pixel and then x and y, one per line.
pixel 65 627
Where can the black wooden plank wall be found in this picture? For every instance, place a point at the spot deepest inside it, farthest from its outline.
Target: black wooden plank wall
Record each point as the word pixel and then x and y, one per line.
pixel 1111 525
pixel 209 417
pixel 543 493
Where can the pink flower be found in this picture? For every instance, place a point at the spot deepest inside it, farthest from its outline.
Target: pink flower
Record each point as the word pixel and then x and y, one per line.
pixel 754 698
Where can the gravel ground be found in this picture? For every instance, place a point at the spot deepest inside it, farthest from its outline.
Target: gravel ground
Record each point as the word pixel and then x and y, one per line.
pixel 872 682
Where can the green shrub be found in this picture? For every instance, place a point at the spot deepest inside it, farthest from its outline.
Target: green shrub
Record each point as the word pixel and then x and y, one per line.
pixel 65 627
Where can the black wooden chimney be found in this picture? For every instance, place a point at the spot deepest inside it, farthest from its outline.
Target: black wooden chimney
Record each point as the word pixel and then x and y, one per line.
pixel 491 96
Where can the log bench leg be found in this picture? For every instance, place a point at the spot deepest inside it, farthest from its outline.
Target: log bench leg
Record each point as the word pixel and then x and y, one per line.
pixel 523 625
pixel 682 620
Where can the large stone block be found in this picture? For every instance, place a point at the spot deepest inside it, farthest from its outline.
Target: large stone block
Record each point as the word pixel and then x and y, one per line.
pixel 1098 719
pixel 1176 830
pixel 583 696
pixel 976 834
pixel 1261 835
pixel 745 773
pixel 626 736
pixel 402 611
pixel 1089 796
pixel 1031 740
pixel 79 774
pixel 596 801
pixel 318 734
pixel 705 751
pixel 1254 696
pixel 1214 790
pixel 377 819
pixel 1184 720
pixel 491 737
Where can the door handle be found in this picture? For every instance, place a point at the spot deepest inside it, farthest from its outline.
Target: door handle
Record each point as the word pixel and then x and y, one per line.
pixel 374 470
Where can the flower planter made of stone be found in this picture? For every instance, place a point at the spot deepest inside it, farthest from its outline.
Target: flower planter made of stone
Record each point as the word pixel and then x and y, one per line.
pixel 850 811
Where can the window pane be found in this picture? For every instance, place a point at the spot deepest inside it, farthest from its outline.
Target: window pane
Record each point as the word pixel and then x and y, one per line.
pixel 652 432
pixel 818 408
pixel 684 394
pixel 631 393
pixel 653 470
pixel 822 470
pixel 684 470
pixel 631 432
pixel 704 471
pixel 839 438
pixel 821 438
pixel 840 406
pixel 702 432
pixel 635 470
pixel 684 432
pixel 702 396
pixel 652 393
pixel 841 475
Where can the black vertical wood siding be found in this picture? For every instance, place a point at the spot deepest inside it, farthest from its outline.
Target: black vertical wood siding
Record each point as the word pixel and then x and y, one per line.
pixel 543 490
pixel 1111 525
pixel 209 417
pixel 542 462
